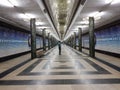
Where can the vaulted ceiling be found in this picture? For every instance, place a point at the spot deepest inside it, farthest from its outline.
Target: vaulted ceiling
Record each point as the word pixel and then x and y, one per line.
pixel 61 12
pixel 59 17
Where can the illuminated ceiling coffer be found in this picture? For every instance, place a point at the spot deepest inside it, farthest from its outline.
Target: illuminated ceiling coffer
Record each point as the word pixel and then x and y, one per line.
pixel 61 12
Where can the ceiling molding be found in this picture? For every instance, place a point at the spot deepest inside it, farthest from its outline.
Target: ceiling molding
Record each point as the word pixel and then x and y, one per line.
pixel 48 10
pixel 74 15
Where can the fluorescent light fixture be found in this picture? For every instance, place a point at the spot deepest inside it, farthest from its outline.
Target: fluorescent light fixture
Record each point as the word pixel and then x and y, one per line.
pixel 84 22
pixel 85 19
pixel 26 16
pixel 98 18
pixel 13 2
pixel 30 15
pixel 93 14
pixel 40 23
pixel 101 13
pixel 115 1
pixel 79 26
pixel 96 15
pixel 23 16
pixel 82 26
pixel 108 1
pixel 112 1
pixel 74 30
pixel 26 20
pixel 6 3
pixel 42 27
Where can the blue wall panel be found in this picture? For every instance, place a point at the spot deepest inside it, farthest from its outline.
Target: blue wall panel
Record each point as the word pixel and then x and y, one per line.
pixel 13 41
pixel 107 39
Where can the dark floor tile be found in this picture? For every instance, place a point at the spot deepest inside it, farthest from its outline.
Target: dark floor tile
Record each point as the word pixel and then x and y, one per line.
pixel 60 82
pixel 3 74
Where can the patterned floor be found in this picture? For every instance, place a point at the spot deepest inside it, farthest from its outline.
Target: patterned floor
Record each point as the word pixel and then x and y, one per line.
pixel 72 70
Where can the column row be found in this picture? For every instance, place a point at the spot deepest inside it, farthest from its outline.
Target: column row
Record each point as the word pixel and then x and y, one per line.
pixel 51 40
pixel 75 41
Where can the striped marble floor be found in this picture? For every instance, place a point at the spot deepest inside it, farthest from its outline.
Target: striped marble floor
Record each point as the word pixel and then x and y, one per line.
pixel 72 70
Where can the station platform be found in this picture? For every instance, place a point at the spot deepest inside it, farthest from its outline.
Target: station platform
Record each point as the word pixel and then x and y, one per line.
pixel 72 70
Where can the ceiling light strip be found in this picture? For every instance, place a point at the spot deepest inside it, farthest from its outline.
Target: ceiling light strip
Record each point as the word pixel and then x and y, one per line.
pixel 75 17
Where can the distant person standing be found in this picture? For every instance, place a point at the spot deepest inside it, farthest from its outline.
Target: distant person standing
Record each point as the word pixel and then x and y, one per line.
pixel 59 47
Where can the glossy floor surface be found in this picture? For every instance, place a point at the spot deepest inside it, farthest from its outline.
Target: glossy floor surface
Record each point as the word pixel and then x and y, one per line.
pixel 72 70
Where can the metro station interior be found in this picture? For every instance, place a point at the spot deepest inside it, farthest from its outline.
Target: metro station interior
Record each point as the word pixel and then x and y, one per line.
pixel 59 44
